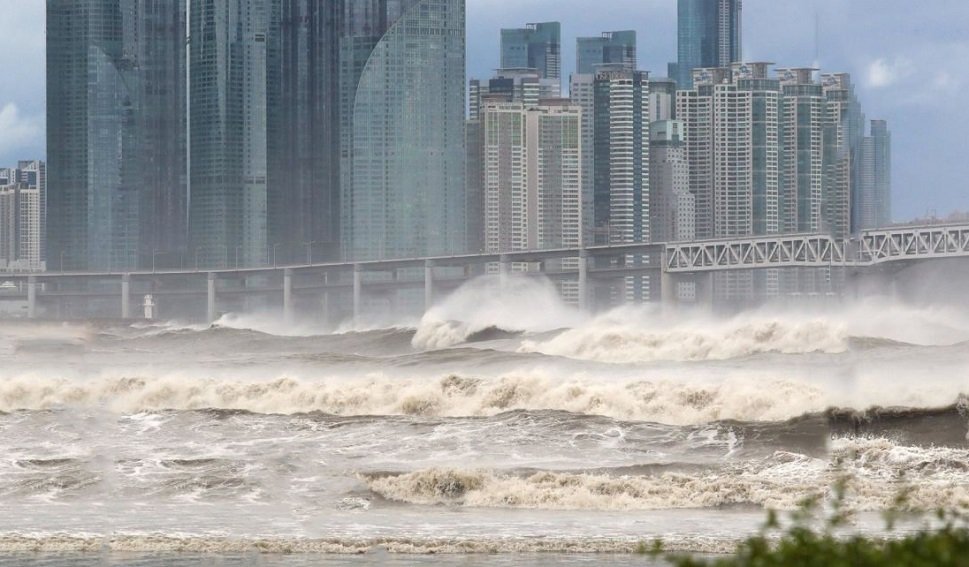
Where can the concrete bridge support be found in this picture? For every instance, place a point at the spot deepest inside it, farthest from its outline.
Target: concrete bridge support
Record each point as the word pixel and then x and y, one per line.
pixel 210 304
pixel 428 285
pixel 32 297
pixel 584 260
pixel 504 269
pixel 288 312
pixel 325 300
pixel 357 293
pixel 126 297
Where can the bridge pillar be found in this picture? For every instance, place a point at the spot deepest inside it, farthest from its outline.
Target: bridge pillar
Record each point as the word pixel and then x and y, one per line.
pixel 325 299
pixel 288 295
pixel 584 279
pixel 357 293
pixel 704 283
pixel 504 269
pixel 32 297
pixel 428 285
pixel 126 297
pixel 668 288
pixel 210 304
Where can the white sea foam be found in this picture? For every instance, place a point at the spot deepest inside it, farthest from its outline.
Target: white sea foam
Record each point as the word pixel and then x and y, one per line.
pixel 660 401
pixel 521 304
pixel 876 471
pixel 185 543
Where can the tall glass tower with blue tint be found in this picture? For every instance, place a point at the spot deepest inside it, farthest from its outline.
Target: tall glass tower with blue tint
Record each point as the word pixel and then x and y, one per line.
pixel 403 141
pixel 116 133
pixel 617 47
pixel 230 50
pixel 536 46
pixel 708 34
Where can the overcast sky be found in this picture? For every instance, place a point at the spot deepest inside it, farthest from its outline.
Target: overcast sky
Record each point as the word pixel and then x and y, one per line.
pixel 909 60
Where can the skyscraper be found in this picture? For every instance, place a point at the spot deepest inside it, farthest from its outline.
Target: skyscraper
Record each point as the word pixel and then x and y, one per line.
pixel 621 165
pixel 405 194
pixel 617 51
pixel 536 46
pixel 843 132
pixel 116 134
pixel 672 208
pixel 532 180
pixel 524 86
pixel 229 90
pixel 617 47
pixel 304 136
pixel 801 122
pixel 873 206
pixel 708 34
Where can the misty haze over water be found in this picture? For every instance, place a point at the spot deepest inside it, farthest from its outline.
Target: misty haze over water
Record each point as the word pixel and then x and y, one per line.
pixel 498 422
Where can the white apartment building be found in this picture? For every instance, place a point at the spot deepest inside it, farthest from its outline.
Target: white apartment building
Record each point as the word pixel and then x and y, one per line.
pixel 23 196
pixel 532 166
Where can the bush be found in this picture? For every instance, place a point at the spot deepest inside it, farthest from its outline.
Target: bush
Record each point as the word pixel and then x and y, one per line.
pixel 802 545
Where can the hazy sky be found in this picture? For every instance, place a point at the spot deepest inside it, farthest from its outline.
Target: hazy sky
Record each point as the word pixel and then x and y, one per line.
pixel 909 60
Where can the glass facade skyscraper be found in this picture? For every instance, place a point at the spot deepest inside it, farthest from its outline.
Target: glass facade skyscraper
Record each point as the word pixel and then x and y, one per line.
pixel 708 35
pixel 617 47
pixel 229 58
pixel 304 135
pixel 536 46
pixel 404 194
pixel 873 198
pixel 116 133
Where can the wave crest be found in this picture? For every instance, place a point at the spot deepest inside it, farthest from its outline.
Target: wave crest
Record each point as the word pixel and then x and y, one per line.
pixel 609 340
pixel 877 471
pixel 674 403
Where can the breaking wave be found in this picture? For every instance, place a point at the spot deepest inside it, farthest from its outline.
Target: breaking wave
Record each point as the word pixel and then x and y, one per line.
pixel 735 398
pixel 673 403
pixel 608 340
pixel 876 471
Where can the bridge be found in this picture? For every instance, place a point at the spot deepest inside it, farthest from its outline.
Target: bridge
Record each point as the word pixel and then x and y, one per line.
pixel 671 262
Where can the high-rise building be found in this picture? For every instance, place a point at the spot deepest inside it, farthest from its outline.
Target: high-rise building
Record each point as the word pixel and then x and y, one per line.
pixel 229 57
pixel 801 121
pixel 672 207
pixel 616 47
pixel 695 108
pixel 22 217
pixel 582 94
pixel 536 46
pixel 873 206
pixel 616 51
pixel 532 165
pixel 116 132
pixel 304 136
pixel 843 132
pixel 732 126
pixel 524 86
pixel 404 188
pixel 621 166
pixel 709 35
pixel 662 99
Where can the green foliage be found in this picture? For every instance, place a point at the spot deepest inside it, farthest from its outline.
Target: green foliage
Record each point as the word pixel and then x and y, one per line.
pixel 808 542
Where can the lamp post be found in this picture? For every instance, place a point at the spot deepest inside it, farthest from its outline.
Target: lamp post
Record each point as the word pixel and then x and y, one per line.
pixel 153 254
pixel 276 245
pixel 238 248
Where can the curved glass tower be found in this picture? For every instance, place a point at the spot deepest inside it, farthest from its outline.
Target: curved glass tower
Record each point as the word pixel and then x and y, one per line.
pixel 404 194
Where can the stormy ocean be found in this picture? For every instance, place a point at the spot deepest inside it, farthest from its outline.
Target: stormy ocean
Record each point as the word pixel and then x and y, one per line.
pixel 497 430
